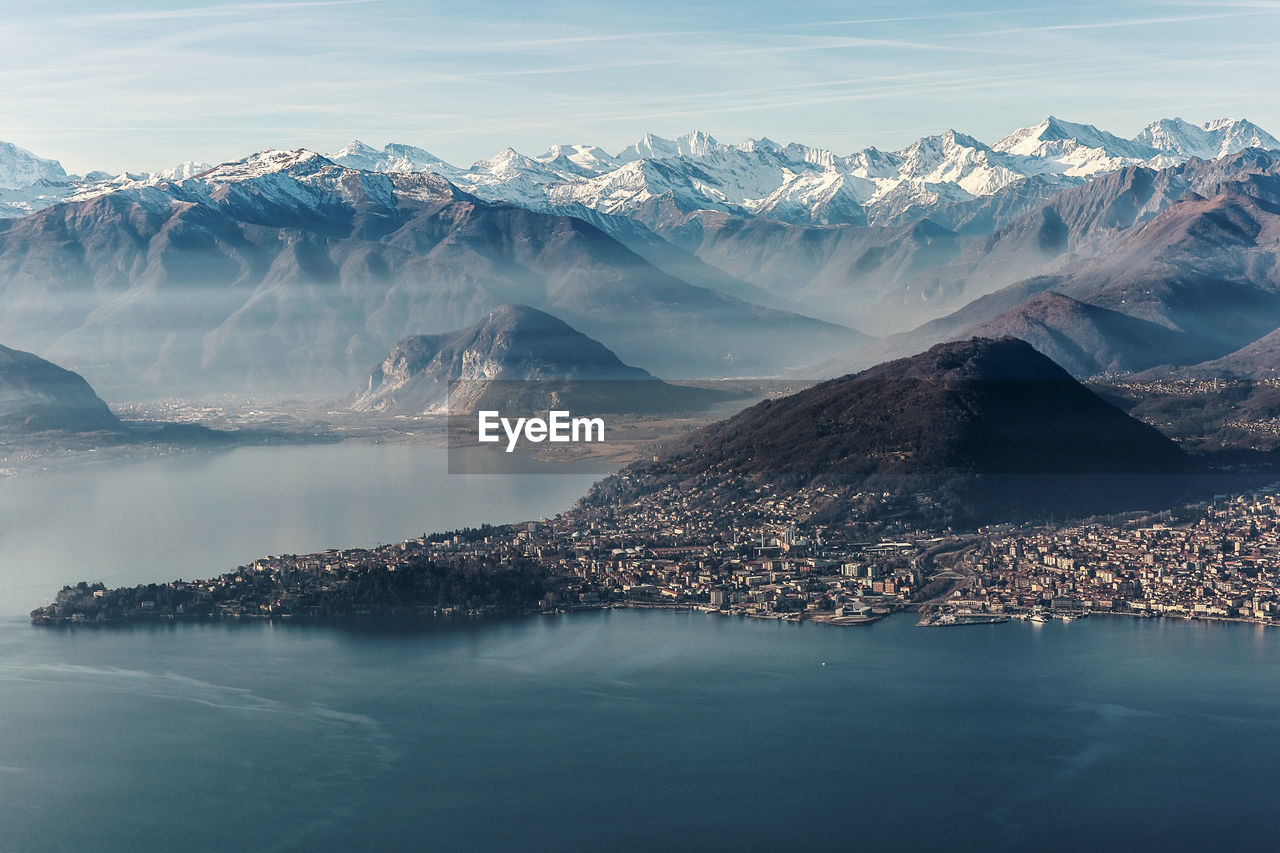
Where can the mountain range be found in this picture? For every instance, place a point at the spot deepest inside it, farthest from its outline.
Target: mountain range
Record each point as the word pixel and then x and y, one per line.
pixel 285 270
pixel 869 239
pixel 299 271
pixel 659 180
pixel 1137 270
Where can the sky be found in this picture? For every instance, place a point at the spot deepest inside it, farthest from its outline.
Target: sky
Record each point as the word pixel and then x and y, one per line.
pixel 147 85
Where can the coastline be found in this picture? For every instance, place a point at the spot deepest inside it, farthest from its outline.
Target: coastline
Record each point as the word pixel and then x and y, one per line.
pixel 402 618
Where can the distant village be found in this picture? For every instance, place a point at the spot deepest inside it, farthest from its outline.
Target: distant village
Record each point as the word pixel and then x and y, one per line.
pixel 758 555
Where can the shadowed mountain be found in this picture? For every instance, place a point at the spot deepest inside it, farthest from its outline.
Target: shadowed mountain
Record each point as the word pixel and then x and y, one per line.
pixel 1085 339
pixel 516 358
pixel 1258 360
pixel 983 426
pixel 844 271
pixel 37 395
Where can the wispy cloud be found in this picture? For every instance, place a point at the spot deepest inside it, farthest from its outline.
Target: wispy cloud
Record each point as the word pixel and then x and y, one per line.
pixel 226 10
pixel 141 88
pixel 900 19
pixel 1128 23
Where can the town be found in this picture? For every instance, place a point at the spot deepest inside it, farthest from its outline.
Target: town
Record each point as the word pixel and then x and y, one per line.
pixel 755 554
pixel 1225 564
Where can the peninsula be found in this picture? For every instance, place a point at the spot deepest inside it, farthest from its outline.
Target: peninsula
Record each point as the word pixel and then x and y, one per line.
pixel 832 504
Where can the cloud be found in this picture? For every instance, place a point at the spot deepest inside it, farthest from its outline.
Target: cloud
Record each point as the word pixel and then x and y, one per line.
pixel 141 89
pixel 228 10
pixel 1106 25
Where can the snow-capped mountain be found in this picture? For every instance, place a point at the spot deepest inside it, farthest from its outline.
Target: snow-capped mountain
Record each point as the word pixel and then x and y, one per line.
pixel 1080 149
pixel 180 172
pixel 286 269
pixel 1207 141
pixel 20 168
pixel 658 181
pixel 392 158
pixel 275 185
pixel 579 159
pixel 29 183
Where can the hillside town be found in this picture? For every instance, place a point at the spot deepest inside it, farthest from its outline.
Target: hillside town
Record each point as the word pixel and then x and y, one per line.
pixel 761 556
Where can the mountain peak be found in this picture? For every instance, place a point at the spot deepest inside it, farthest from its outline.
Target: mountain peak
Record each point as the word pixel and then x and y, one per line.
pixel 20 168
pixel 1057 137
pixel 355 148
pixel 1003 359
pixel 1051 129
pixel 649 147
pixel 394 157
pixel 514 343
pixel 182 171
pixel 300 161
pixel 764 143
pixel 507 158
pixel 1208 141
pixel 984 426
pixel 584 160
pixel 513 315
pixel 697 143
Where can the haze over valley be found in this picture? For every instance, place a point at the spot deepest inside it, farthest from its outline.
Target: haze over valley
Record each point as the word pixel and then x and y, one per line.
pixel 294 273
pixel 548 427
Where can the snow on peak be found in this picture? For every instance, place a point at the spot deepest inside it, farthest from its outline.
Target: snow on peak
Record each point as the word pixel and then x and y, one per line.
pixel 20 168
pixel 578 159
pixel 650 147
pixel 1058 147
pixel 394 157
pixel 793 182
pixel 355 148
pixel 764 143
pixel 1054 136
pixel 695 144
pixel 299 161
pixel 1207 141
pixel 1238 134
pixel 699 143
pixel 181 172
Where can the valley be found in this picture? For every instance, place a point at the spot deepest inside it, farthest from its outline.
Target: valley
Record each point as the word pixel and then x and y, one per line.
pixel 555 426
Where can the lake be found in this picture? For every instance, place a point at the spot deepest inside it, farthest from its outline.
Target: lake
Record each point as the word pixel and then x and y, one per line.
pixel 202 514
pixel 621 730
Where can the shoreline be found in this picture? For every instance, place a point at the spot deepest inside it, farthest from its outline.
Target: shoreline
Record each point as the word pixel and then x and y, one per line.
pixel 394 619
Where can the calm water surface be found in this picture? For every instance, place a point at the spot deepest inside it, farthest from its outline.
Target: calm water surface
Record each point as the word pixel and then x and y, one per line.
pixel 634 730
pixel 624 730
pixel 200 515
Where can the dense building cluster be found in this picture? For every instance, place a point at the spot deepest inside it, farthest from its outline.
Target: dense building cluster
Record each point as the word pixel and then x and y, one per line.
pixel 1223 562
pixel 762 562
